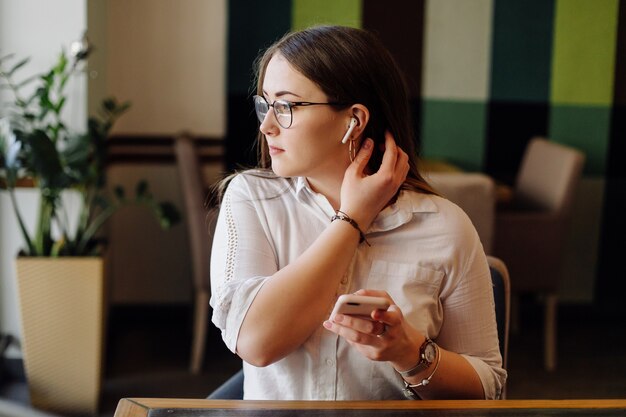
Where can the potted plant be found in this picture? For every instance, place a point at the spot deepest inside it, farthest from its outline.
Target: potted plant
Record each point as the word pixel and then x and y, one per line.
pixel 60 269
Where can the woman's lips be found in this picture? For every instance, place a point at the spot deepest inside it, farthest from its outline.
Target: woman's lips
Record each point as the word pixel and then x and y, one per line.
pixel 275 151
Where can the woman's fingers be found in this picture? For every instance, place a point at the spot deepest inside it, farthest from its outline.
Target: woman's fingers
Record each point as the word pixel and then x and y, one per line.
pixel 359 324
pixel 384 339
pixel 354 330
pixel 364 196
pixel 382 321
pixel 390 155
pixel 363 155
pixel 391 317
pixel 375 293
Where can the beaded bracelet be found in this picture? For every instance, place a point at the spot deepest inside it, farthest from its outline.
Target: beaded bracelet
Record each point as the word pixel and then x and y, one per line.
pixel 340 215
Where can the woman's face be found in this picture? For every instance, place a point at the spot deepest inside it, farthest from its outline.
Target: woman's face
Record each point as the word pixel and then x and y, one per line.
pixel 311 147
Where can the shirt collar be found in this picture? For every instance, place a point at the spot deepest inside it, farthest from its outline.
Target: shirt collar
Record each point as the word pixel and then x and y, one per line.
pixel 401 212
pixel 302 184
pixel 393 216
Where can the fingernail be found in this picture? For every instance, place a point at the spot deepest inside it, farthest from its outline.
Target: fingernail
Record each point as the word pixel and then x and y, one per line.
pixel 327 324
pixel 367 144
pixel 338 318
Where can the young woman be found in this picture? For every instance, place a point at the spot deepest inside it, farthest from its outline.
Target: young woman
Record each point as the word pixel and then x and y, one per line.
pixel 337 206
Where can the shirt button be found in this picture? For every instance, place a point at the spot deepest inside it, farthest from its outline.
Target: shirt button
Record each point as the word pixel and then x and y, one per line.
pixel 329 362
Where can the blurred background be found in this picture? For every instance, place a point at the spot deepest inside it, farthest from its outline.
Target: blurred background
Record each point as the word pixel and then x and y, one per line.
pixel 485 76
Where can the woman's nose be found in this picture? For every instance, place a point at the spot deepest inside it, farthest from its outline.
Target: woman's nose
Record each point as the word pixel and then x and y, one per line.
pixel 269 126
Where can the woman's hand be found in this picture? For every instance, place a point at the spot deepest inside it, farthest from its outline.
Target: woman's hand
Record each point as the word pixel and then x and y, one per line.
pixel 387 337
pixel 364 196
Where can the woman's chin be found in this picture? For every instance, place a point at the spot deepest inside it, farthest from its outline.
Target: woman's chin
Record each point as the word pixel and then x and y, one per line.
pixel 283 171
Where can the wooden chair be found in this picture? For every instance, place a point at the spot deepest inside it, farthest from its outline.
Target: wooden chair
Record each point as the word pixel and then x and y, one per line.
pixel 200 227
pixel 502 300
pixel 475 193
pixel 530 233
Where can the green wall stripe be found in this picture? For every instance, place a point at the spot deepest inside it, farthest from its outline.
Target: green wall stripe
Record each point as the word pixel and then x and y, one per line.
pixel 585 128
pixel 454 131
pixel 248 33
pixel 522 50
pixel 319 12
pixel 584 51
pixel 457 49
pixel 383 19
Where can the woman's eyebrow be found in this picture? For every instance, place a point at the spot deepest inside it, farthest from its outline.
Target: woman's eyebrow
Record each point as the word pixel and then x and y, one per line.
pixel 282 93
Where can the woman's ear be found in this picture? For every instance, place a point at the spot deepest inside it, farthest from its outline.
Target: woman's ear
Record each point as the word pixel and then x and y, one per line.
pixel 362 116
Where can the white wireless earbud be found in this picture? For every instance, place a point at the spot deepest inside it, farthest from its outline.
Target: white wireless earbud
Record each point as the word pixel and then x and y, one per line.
pixel 353 123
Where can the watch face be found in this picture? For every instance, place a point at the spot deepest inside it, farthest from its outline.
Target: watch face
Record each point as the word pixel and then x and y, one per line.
pixel 430 352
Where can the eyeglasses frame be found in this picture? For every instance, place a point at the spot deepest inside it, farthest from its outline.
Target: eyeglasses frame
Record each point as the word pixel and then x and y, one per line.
pixel 290 106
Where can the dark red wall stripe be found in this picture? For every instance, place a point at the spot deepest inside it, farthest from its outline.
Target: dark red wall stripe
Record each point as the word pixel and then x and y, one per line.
pixel 610 285
pixel 400 25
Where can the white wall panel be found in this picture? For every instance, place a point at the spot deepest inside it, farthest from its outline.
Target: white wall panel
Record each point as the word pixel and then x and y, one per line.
pixel 457 49
pixel 168 59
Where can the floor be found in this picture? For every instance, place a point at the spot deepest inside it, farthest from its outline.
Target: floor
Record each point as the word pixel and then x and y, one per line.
pixel 148 351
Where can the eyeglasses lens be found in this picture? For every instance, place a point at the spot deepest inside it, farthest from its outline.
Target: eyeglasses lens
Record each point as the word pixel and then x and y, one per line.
pixel 283 113
pixel 261 107
pixel 282 110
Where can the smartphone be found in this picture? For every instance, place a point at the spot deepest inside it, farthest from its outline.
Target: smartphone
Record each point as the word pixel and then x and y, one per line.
pixel 359 305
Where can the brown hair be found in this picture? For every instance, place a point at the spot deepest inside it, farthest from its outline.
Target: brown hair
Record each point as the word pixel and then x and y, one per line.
pixel 351 66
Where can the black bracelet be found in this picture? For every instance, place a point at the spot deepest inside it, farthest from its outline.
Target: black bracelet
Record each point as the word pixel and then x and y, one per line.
pixel 340 215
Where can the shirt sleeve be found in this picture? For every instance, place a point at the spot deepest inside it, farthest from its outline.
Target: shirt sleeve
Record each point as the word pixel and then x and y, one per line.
pixel 469 326
pixel 242 259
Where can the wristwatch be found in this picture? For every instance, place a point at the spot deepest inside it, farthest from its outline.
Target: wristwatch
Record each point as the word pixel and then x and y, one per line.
pixel 427 355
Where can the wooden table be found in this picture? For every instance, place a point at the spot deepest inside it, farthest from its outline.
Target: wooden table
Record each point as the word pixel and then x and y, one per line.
pixel 162 407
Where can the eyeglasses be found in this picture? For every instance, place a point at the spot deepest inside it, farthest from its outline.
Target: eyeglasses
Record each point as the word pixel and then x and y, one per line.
pixel 283 109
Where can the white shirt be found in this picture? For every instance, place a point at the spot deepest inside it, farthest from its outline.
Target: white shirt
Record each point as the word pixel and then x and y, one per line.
pixel 424 252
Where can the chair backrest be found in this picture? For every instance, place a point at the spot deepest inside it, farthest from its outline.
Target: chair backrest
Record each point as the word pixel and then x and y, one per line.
pixel 548 176
pixel 475 193
pixel 502 299
pixel 200 221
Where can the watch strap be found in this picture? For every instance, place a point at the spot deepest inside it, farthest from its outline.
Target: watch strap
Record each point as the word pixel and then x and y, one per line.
pixel 421 364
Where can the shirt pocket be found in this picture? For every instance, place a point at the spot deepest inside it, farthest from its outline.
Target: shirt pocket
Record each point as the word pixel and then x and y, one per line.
pixel 413 288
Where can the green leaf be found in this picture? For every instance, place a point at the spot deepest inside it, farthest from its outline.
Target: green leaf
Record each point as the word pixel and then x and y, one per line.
pixel 59 105
pixel 109 104
pixel 169 215
pixel 57 248
pixel 48 79
pixel 119 192
pixel 142 189
pixel 61 64
pixel 43 160
pixel 101 202
pixel 17 66
pixel 63 81
pixel 77 157
pixel 122 108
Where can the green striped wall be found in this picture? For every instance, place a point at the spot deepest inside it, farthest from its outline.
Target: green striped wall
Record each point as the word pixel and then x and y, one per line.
pixel 477 58
pixel 484 77
pixel 521 56
pixel 584 52
pixel 317 12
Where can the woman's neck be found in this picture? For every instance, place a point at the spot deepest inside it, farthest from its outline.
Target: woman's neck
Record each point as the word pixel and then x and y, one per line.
pixel 329 187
